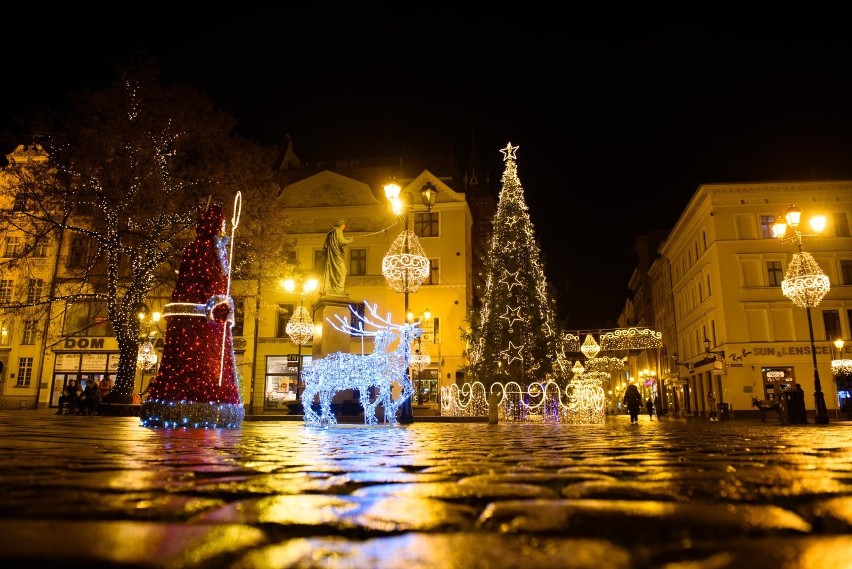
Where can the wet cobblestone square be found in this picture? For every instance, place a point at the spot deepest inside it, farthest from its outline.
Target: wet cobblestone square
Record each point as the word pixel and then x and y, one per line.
pixel 677 493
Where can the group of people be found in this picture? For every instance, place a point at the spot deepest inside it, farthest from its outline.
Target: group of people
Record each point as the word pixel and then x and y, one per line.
pixel 633 401
pixel 76 400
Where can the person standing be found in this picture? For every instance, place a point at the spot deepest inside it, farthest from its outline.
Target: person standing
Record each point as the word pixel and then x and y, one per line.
pixel 649 406
pixel 633 401
pixel 334 260
pixel 658 406
pixel 711 405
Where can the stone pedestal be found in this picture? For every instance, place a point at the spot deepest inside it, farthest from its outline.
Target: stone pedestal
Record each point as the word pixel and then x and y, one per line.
pixel 327 340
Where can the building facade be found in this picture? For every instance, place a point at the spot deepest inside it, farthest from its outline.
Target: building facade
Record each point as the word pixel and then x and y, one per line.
pixel 732 331
pixel 43 348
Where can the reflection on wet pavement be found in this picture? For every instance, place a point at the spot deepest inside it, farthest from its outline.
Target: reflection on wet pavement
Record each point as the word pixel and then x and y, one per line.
pixel 670 493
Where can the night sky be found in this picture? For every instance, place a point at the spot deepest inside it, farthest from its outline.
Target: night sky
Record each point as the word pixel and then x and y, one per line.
pixel 618 116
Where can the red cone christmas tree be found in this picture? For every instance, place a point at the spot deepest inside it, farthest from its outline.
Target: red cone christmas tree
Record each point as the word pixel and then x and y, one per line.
pixel 197 383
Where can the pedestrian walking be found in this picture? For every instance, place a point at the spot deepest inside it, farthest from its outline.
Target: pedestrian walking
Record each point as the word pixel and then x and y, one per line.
pixel 633 401
pixel 711 406
pixel 649 405
pixel 658 406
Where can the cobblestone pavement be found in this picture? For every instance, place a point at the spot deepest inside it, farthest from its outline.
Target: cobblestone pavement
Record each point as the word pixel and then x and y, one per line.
pixel 678 494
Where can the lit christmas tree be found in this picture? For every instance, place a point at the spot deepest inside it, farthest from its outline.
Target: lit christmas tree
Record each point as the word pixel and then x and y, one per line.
pixel 197 384
pixel 514 335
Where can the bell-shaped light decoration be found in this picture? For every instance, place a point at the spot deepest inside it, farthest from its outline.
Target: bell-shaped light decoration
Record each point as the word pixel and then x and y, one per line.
pixel 300 327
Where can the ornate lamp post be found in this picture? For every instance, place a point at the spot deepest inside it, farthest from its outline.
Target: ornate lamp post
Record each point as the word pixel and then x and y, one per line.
pixel 805 284
pixel 405 266
pixel 420 358
pixel 300 327
pixel 147 358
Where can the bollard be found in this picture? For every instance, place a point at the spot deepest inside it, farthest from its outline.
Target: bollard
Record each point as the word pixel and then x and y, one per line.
pixel 493 402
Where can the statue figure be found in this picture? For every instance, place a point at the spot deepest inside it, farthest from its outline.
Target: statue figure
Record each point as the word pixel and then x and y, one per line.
pixel 334 260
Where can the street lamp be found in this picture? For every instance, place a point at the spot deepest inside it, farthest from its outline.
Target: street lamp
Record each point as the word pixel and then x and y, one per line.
pixel 805 284
pixel 420 358
pixel 708 351
pixel 405 266
pixel 147 359
pixel 300 327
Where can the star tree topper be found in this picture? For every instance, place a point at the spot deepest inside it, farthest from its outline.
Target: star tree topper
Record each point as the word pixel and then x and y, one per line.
pixel 509 152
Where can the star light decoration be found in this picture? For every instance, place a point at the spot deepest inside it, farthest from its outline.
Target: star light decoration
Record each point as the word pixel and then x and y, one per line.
pixel 512 315
pixel 512 353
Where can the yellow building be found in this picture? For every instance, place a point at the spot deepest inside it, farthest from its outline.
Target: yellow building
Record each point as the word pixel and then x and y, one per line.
pixel 269 360
pixel 726 325
pixel 41 350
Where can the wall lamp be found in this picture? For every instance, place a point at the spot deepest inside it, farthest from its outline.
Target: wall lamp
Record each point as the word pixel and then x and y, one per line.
pixel 687 365
pixel 707 349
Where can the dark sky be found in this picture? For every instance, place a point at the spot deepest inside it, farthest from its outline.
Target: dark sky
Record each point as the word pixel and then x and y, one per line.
pixel 618 116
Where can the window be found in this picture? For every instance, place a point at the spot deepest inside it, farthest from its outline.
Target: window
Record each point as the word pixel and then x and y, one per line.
pixel 13 248
pixel 318 260
pixel 29 336
pixel 846 272
pixel 86 318
pixel 239 317
pixel 433 277
pixel 291 258
pixel 6 286
pixel 285 312
pixel 831 321
pixel 426 224
pixel 34 290
pixel 40 248
pixel 358 262
pixel 5 334
pixel 774 274
pixel 841 225
pixel 22 201
pixel 25 372
pixel 78 256
pixel 766 223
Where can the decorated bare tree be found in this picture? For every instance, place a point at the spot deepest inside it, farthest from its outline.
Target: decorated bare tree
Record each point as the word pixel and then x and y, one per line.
pixel 120 178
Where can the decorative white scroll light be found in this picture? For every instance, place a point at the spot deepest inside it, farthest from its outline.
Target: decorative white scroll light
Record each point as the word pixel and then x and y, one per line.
pixel 405 266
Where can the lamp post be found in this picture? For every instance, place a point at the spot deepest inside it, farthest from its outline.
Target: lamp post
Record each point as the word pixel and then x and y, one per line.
pixel 146 360
pixel 405 266
pixel 300 327
pixel 805 284
pixel 420 358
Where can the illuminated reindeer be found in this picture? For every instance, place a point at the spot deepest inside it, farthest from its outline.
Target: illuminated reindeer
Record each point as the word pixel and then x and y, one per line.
pixel 372 374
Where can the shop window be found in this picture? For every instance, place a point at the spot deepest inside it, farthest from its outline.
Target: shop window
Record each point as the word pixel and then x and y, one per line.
pixel 776 380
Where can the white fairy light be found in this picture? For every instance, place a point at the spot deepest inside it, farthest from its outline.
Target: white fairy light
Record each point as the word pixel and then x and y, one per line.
pixel 590 348
pixel 805 283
